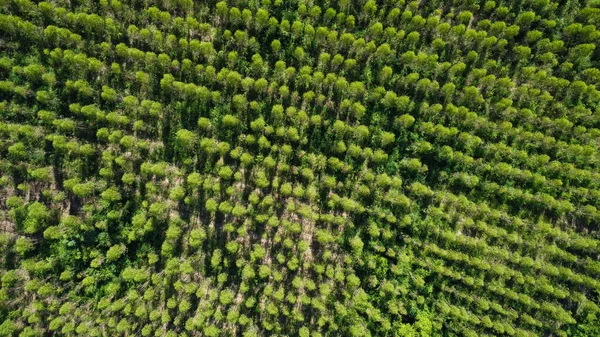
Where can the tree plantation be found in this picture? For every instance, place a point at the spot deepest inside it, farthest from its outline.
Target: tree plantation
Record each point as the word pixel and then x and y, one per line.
pixel 308 168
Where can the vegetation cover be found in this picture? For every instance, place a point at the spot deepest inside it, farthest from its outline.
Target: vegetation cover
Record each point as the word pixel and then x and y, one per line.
pixel 299 168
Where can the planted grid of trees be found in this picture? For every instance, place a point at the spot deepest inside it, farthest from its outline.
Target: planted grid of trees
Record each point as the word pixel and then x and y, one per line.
pixel 299 168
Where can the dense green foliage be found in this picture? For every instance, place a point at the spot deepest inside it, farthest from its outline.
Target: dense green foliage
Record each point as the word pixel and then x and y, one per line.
pixel 299 168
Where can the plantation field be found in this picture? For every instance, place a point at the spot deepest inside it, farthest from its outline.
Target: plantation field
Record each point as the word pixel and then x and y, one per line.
pixel 304 168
